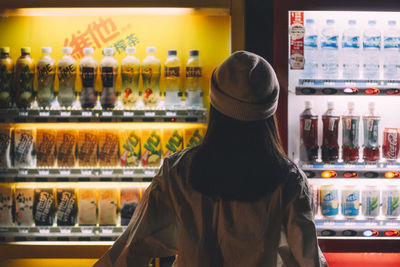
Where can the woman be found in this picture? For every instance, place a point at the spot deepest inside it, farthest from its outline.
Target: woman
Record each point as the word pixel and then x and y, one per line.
pixel 235 200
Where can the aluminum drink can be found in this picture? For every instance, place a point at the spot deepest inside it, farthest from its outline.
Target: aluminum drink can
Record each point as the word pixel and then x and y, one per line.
pixel 391 144
pixel 350 201
pixel 329 200
pixel 390 200
pixel 370 201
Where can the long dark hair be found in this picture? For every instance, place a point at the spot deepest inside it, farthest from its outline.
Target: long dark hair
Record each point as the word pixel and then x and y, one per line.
pixel 239 160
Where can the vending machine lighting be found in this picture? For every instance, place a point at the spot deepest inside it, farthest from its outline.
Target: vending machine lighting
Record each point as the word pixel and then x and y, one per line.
pixel 349 90
pixel 393 91
pixel 329 174
pixel 372 91
pixel 350 175
pixel 392 174
pixel 369 233
pixel 392 233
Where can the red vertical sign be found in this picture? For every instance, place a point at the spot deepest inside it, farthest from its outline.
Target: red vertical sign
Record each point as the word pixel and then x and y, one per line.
pixel 296 39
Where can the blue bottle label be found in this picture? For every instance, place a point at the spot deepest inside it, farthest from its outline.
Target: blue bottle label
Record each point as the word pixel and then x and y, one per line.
pixel 331 42
pixel 351 41
pixel 391 42
pixel 372 42
pixel 311 41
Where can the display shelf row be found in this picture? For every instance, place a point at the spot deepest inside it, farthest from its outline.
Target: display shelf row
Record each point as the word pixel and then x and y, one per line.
pixel 347 90
pixel 144 115
pixel 79 233
pixel 77 174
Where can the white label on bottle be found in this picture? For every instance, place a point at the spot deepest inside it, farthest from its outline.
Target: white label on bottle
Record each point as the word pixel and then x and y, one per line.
pixel 370 124
pixel 307 125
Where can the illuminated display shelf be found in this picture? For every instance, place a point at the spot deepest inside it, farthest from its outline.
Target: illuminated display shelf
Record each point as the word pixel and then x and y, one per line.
pixel 378 171
pixel 60 233
pixel 348 87
pixel 358 228
pixel 139 115
pixel 78 174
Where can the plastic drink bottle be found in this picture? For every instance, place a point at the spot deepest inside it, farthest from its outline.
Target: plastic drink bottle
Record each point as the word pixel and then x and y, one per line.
pixel 371 135
pixel 172 80
pixel 6 77
pixel 350 201
pixel 370 201
pixel 130 73
pixel 330 134
pixel 194 89
pixel 151 69
pixel 88 70
pixel 391 45
pixel 308 134
pixel 329 51
pixel 372 47
pixel 24 76
pixel 66 78
pixel 310 51
pixel 351 48
pixel 350 127
pixel 109 73
pixel 46 73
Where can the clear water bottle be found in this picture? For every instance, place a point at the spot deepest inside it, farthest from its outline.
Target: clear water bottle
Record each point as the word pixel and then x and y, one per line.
pixel 351 51
pixel 329 51
pixel 172 80
pixel 310 51
pixel 372 47
pixel 194 88
pixel 391 45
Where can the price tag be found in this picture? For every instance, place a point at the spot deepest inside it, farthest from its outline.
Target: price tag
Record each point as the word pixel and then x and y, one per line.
pixel 44 113
pixel 107 113
pixel 23 113
pixel 23 172
pixel 107 172
pixel 65 230
pixel 87 113
pixel 65 113
pixel 149 172
pixel 23 230
pixel 107 230
pixel 171 114
pixel 44 230
pixel 128 173
pixel 44 172
pixel 87 230
pixel 149 114
pixel 65 172
pixel 128 114
pixel 86 172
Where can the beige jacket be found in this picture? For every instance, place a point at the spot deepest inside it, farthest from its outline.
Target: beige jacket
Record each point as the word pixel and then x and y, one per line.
pixel 173 219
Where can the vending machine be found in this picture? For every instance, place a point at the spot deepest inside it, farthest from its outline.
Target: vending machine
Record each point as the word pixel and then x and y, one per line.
pixel 93 97
pixel 343 128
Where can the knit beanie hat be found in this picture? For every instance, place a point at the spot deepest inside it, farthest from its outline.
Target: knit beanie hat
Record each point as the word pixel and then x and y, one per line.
pixel 245 87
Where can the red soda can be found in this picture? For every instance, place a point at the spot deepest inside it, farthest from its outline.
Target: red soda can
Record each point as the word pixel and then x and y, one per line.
pixel 391 144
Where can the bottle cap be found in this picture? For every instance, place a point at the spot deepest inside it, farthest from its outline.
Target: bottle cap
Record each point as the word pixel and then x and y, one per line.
pixel 371 105
pixel 5 50
pixel 372 22
pixel 108 51
pixel 130 50
pixel 172 53
pixel 350 105
pixel 330 21
pixel 193 53
pixel 310 21
pixel 391 22
pixel 25 50
pixel 67 50
pixel 308 104
pixel 352 22
pixel 331 105
pixel 150 49
pixel 87 51
pixel 46 50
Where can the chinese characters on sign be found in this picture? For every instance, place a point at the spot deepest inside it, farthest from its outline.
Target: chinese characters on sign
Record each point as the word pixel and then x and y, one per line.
pixel 96 34
pixel 296 35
